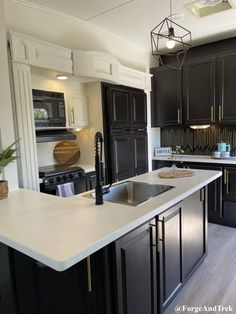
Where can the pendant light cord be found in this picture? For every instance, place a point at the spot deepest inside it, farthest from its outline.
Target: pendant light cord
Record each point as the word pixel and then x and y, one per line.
pixel 171 12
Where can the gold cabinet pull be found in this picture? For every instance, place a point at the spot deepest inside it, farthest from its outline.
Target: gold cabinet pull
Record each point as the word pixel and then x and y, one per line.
pixel 212 114
pixel 227 180
pixel 73 116
pixel 178 116
pixel 89 275
pixel 225 176
pixel 220 113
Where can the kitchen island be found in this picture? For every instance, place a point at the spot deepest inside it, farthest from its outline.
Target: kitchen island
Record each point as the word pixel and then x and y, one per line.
pixel 45 232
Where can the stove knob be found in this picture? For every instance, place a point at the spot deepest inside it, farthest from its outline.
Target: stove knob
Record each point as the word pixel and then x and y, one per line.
pixel 58 179
pixel 65 177
pixel 50 180
pixel 71 176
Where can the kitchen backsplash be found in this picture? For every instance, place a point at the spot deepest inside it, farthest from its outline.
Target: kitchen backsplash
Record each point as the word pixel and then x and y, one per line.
pixel 199 142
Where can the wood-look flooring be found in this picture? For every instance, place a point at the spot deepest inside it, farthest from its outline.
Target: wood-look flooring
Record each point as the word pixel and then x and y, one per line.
pixel 214 283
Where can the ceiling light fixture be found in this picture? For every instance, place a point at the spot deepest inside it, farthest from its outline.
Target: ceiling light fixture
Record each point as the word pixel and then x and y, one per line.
pixel 62 77
pixel 175 36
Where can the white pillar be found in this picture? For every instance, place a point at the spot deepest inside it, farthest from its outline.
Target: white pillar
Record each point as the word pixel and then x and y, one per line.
pixel 28 165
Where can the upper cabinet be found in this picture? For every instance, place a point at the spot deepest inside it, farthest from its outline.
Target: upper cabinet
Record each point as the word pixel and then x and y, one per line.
pixel 199 91
pixel 227 92
pixel 127 108
pixel 204 89
pixel 35 52
pixel 78 112
pixel 166 97
pixel 102 66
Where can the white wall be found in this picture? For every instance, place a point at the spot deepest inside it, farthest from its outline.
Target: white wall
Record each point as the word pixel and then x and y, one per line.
pixel 73 33
pixel 85 138
pixel 7 135
pixel 69 88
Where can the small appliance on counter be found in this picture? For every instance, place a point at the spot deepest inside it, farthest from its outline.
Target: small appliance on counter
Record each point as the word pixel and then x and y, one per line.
pixel 223 150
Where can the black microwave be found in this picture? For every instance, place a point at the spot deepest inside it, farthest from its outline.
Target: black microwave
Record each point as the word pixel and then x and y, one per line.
pixel 49 109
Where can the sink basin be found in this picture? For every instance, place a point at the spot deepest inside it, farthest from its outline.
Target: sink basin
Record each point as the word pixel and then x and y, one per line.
pixel 132 193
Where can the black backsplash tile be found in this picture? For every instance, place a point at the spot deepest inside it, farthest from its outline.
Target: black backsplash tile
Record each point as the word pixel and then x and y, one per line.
pixel 199 142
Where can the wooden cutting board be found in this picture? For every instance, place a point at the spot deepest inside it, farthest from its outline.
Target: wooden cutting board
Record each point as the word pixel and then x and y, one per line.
pixel 178 174
pixel 66 153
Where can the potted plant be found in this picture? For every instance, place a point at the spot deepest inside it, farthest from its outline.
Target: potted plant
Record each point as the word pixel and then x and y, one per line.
pixel 6 157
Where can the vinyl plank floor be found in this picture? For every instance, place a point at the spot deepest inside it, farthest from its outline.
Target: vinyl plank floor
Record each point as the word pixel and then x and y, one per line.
pixel 214 283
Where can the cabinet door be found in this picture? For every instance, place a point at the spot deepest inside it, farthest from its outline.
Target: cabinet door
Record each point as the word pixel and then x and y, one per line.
pixel 121 157
pixel 140 153
pixel 119 107
pixel 214 193
pixel 136 272
pixel 7 291
pixel 139 109
pixel 230 183
pixel 166 97
pixel 199 92
pixel 193 231
pixel 79 111
pixel 227 93
pixel 170 258
pixel 91 180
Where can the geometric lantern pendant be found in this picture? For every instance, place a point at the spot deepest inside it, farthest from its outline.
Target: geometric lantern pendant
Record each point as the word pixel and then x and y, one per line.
pixel 176 41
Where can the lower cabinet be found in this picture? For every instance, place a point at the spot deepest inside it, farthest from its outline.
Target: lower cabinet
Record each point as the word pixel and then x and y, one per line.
pixel 7 295
pixel 140 273
pixel 169 253
pixel 135 267
pixel 42 290
pixel 91 180
pixel 182 240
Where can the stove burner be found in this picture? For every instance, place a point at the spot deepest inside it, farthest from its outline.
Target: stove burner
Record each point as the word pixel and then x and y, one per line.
pixel 57 174
pixel 57 170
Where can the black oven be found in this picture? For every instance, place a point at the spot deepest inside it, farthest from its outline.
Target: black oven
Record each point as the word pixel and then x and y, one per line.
pixel 49 109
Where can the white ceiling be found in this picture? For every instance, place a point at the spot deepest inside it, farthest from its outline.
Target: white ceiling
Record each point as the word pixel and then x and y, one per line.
pixel 133 19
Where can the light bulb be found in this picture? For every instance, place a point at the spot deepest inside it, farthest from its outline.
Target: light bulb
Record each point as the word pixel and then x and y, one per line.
pixel 170 44
pixel 62 77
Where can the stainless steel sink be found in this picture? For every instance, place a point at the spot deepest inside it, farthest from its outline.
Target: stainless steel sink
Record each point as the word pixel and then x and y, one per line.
pixel 132 193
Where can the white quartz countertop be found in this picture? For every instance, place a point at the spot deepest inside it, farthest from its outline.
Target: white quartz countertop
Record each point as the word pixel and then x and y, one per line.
pixel 60 232
pixel 199 158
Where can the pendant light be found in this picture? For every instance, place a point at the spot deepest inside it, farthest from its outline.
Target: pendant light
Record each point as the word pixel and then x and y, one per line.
pixel 177 41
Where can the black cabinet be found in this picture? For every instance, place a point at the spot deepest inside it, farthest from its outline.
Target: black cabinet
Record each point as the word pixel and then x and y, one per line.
pixel 139 109
pixel 139 151
pixel 42 290
pixel 91 180
pixel 129 151
pixel 214 192
pixel 181 242
pixel 125 122
pixel 199 91
pixel 7 289
pixel 135 267
pixel 226 85
pixel 166 97
pixel 121 157
pixel 125 107
pixel 194 231
pixel 170 254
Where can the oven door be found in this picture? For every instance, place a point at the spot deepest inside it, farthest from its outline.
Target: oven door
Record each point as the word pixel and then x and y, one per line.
pixel 80 186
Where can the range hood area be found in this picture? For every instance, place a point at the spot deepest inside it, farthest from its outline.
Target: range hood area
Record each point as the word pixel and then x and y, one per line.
pixel 52 135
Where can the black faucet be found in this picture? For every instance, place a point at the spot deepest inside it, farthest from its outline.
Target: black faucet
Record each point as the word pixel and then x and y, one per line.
pixel 98 168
